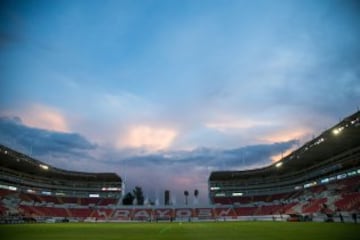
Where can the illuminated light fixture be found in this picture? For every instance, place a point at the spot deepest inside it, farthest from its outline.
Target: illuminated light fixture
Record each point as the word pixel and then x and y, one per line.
pixel 310 184
pixel 236 194
pixel 341 176
pixel 44 166
pixel 279 164
pixel 12 188
pixel 338 130
pixel 214 188
pixel 319 141
pixel 325 180
pixel 332 178
pixel 111 189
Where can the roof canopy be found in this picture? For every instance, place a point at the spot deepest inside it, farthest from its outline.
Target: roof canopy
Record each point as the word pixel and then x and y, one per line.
pixel 336 140
pixel 13 160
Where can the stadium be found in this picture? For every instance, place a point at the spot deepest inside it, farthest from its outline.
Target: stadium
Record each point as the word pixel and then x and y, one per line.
pixel 321 178
pixel 319 182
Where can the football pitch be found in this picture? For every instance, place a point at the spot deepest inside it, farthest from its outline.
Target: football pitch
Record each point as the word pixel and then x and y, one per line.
pixel 177 231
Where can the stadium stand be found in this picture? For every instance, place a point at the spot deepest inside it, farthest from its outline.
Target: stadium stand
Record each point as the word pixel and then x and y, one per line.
pixel 31 188
pixel 321 178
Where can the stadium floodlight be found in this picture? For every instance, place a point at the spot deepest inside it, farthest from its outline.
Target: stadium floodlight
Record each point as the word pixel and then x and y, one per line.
pixel 44 167
pixel 338 130
pixel 279 164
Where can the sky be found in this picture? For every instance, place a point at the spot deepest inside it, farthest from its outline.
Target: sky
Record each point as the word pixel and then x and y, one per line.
pixel 163 92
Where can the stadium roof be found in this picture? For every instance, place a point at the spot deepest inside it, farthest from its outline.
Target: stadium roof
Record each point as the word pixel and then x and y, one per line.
pixel 13 160
pixel 336 140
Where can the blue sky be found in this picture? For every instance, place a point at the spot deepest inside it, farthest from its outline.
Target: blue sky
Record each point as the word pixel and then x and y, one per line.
pixel 163 92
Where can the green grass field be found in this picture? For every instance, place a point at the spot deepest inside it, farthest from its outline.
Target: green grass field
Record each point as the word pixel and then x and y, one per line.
pixel 174 231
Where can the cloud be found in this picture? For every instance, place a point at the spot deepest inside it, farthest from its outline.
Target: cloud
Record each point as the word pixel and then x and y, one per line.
pixel 278 157
pixel 41 116
pixel 117 119
pixel 229 125
pixel 155 172
pixel 40 142
pixel 180 170
pixel 286 135
pixel 150 138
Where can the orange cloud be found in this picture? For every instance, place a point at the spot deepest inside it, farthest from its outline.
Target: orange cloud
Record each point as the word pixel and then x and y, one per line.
pixel 44 117
pixel 278 157
pixel 150 138
pixel 287 135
